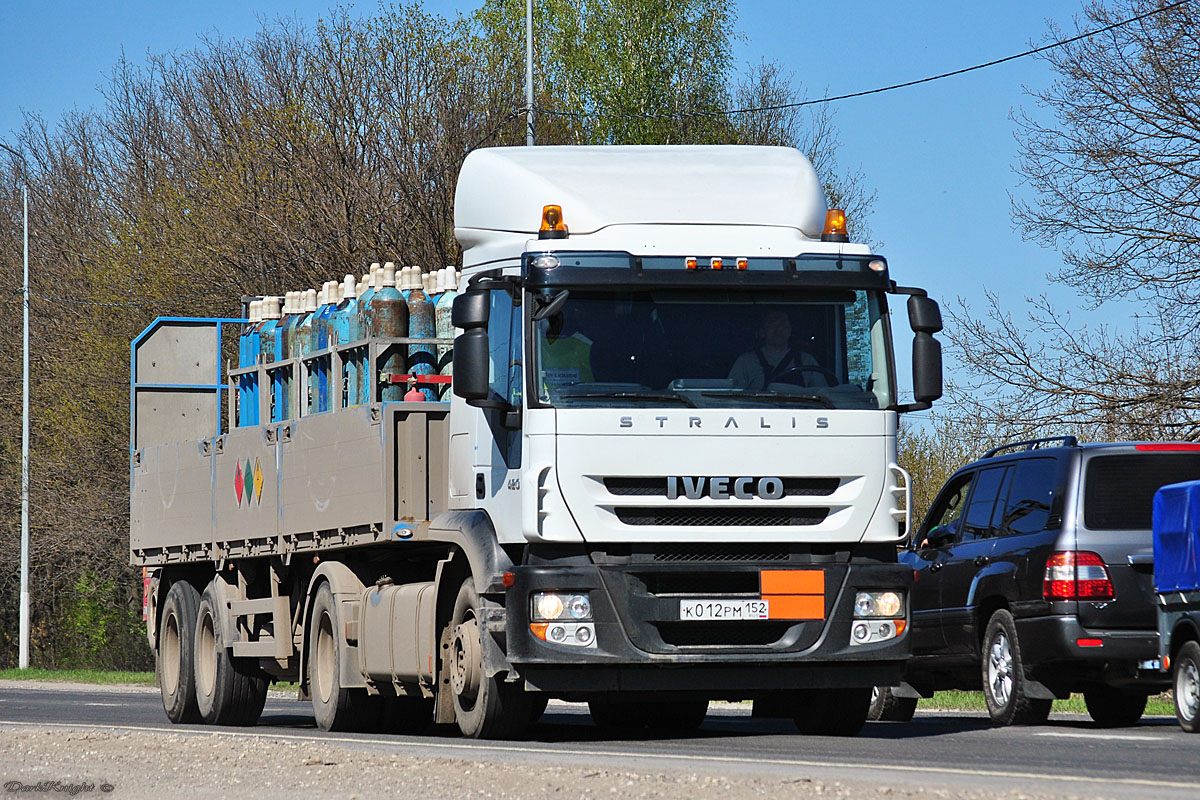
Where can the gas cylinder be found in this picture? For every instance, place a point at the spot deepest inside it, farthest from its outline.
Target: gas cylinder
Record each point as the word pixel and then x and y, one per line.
pixel 339 332
pixel 445 327
pixel 247 356
pixel 268 335
pixel 328 304
pixel 388 318
pixel 303 338
pixel 421 325
pixel 360 329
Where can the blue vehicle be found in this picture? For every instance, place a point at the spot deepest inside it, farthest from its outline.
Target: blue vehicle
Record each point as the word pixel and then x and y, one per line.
pixel 1177 585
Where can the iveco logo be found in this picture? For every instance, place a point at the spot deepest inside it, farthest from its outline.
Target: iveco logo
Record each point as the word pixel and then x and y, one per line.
pixel 724 488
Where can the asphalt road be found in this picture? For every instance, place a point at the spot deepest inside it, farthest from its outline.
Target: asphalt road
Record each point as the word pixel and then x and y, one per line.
pixel 1067 756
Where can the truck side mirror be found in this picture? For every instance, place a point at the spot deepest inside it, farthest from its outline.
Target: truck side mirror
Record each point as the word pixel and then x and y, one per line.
pixel 924 315
pixel 471 310
pixel 927 367
pixel 471 362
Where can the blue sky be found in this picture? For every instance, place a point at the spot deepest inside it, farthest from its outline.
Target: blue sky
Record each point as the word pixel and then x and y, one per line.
pixel 941 155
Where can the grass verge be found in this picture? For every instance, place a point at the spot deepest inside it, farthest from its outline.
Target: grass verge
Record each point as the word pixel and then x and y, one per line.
pixel 1159 704
pixel 79 676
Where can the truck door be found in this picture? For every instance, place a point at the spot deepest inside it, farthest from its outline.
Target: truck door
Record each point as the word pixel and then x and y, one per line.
pixel 497 447
pixel 967 555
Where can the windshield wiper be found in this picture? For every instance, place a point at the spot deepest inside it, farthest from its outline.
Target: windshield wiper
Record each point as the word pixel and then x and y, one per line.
pixel 752 395
pixel 674 398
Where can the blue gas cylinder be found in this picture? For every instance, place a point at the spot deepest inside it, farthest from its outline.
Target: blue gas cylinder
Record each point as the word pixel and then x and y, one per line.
pixel 345 388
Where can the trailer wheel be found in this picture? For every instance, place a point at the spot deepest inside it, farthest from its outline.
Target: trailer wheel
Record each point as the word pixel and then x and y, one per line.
pixel 174 665
pixel 229 690
pixel 831 712
pixel 1186 668
pixel 335 708
pixel 1113 708
pixel 1003 669
pixel 484 707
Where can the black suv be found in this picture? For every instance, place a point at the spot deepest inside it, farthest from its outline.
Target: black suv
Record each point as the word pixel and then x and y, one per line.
pixel 1034 578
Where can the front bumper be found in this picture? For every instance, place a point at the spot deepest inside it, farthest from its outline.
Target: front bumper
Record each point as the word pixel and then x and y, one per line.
pixel 642 645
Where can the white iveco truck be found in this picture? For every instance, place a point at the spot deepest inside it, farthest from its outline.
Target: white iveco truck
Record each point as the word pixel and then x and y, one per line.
pixel 666 472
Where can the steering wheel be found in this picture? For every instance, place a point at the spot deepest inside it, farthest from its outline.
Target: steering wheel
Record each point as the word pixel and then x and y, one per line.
pixel 831 378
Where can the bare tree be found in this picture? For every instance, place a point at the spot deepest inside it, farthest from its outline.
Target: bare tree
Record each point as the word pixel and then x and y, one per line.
pixel 1116 175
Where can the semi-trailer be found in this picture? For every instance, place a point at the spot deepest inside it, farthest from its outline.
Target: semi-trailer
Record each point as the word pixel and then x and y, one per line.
pixel 665 473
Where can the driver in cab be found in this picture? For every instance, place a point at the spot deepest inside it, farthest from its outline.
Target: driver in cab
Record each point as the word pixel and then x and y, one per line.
pixel 756 369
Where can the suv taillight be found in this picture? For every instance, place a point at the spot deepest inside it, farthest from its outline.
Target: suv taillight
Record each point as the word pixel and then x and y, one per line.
pixel 1076 575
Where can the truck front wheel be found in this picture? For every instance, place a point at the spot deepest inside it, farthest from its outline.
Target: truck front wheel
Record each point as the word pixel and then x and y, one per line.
pixel 174 664
pixel 334 707
pixel 229 690
pixel 484 707
pixel 1186 669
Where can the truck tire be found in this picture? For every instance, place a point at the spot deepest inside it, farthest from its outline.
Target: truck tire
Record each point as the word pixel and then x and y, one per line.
pixel 1003 673
pixel 229 690
pixel 1186 674
pixel 1114 708
pixel 484 707
pixel 831 712
pixel 335 708
pixel 887 707
pixel 174 665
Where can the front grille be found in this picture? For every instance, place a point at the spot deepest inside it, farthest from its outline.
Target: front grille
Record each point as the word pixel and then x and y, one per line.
pixel 688 554
pixel 720 517
pixel 657 487
pixel 700 634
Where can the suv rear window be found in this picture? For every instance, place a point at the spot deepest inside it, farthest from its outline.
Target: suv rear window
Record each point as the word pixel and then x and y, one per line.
pixel 1118 492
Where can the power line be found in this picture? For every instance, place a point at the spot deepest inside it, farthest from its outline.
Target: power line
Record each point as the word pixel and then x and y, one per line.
pixel 866 92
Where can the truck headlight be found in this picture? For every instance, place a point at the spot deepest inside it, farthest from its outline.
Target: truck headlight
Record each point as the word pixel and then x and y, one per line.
pixel 552 606
pixel 878 604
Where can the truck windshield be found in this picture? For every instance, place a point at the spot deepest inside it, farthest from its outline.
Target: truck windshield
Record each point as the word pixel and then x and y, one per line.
pixel 816 348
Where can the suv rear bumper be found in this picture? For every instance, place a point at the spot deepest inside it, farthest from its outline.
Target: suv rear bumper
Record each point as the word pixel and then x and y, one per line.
pixel 1051 645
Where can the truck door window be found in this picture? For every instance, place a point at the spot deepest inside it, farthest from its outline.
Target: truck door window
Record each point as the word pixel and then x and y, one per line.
pixel 977 520
pixel 504 342
pixel 1030 498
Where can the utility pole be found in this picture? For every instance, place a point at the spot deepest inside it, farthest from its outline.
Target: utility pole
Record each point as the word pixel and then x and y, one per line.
pixel 23 659
pixel 529 73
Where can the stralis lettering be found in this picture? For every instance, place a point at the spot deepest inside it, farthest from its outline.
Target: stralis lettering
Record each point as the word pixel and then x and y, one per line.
pixel 724 488
pixel 730 423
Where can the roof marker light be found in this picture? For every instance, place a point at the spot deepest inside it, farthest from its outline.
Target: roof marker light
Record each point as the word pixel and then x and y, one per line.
pixel 743 263
pixel 877 265
pixel 716 263
pixel 553 226
pixel 690 262
pixel 835 226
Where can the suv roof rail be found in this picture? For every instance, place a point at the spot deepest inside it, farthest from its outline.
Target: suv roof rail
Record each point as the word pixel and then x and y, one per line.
pixel 1033 444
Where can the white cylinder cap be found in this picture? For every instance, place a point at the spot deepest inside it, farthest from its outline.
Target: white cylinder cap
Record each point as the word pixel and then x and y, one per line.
pixel 451 279
pixel 310 300
pixel 348 288
pixel 270 308
pixel 402 278
pixel 389 275
pixel 252 312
